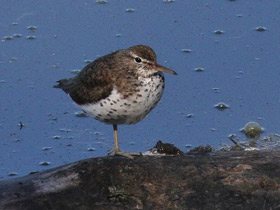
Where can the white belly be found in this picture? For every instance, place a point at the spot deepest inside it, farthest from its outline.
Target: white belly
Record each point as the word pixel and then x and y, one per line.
pixel 118 110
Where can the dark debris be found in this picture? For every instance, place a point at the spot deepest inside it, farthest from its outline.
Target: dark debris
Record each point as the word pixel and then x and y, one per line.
pixel 168 149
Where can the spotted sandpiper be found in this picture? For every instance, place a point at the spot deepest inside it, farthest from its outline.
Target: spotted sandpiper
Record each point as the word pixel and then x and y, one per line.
pixel 118 88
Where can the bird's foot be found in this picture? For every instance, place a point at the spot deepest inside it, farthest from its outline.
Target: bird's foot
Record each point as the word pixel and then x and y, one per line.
pixel 124 154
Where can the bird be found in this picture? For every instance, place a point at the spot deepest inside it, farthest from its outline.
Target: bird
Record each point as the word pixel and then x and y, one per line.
pixel 118 88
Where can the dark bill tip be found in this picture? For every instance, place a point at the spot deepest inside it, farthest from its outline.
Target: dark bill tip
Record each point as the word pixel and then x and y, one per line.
pixel 164 69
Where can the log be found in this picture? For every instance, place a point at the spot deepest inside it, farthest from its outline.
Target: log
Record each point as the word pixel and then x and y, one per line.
pixel 219 180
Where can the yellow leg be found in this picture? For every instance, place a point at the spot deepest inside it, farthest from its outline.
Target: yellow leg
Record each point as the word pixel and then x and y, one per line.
pixel 116 150
pixel 116 142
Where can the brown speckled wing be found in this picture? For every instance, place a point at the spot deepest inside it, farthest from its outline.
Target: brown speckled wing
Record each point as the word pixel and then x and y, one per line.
pixel 93 83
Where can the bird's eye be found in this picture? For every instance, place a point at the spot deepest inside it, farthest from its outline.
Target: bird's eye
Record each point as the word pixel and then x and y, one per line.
pixel 138 60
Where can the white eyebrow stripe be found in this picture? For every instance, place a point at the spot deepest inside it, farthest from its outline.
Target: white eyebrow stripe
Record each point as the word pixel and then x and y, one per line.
pixel 143 59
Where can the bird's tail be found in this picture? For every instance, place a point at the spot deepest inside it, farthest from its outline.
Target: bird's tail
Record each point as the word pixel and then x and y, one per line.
pixel 65 84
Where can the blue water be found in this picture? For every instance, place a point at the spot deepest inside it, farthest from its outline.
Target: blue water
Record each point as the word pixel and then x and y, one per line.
pixel 241 69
